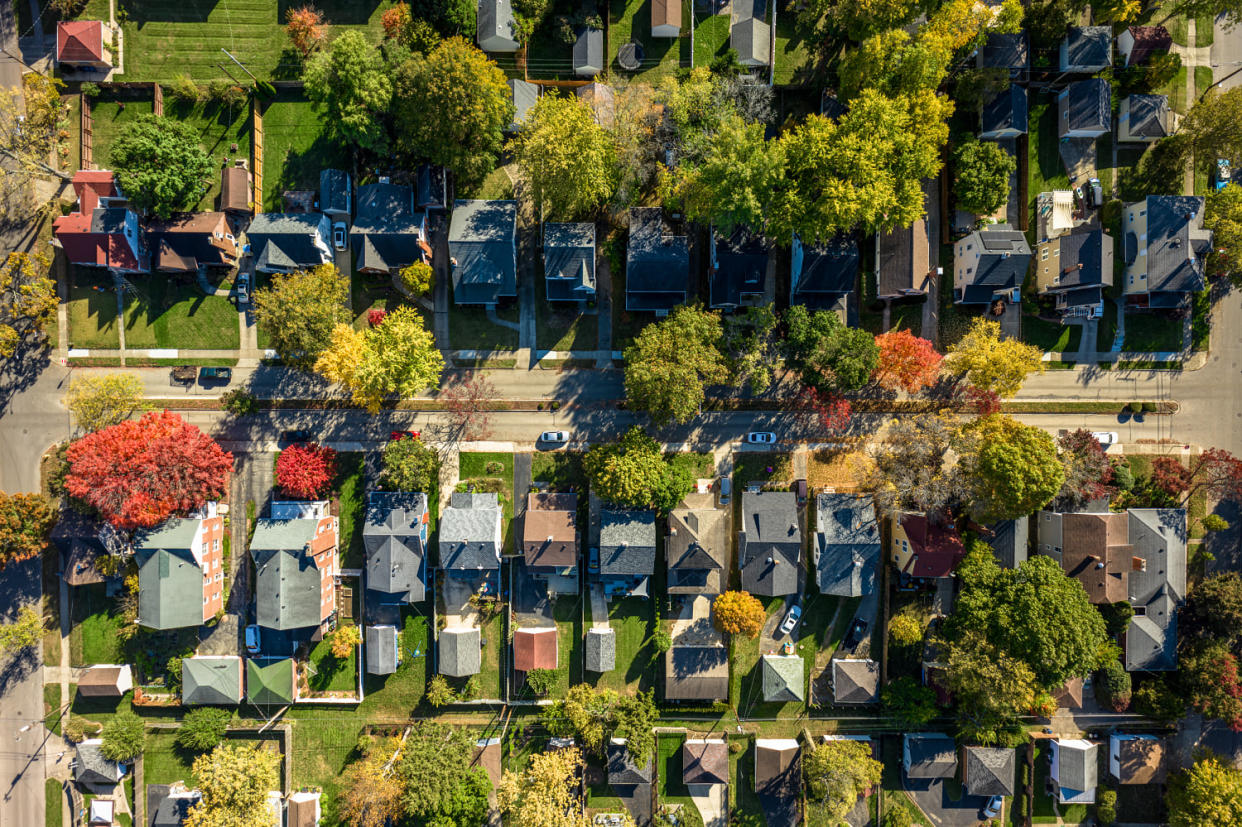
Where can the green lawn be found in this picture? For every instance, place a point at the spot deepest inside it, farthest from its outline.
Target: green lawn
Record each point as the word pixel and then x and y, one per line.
pixel 1044 812
pixel 792 57
pixel 398 694
pixel 638 663
pixel 497 186
pixel 1107 330
pixel 493 634
pixel 92 313
pixel 630 20
pixel 351 494
pixel 1050 336
pixel 671 788
pixel 470 329
pixel 96 624
pixel 1047 173
pixel 560 469
pixel 1149 333
pixel 368 292
pixel 497 467
pixel 169 313
pixel 111 113
pixel 220 128
pixel 54 795
pixel 333 674
pixel 295 148
pixel 711 38
pixel 163 762
pixel 562 327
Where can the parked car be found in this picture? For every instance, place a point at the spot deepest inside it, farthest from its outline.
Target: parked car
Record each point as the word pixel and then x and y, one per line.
pixel 855 635
pixel 593 561
pixel 801 490
pixel 338 235
pixel 297 435
pixel 396 435
pixel 761 438
pixel 791 619
pixel 1106 438
pixel 993 808
pixel 726 490
pixel 555 437
pixel 218 374
pixel 252 640
pixel 242 289
pixel 1095 194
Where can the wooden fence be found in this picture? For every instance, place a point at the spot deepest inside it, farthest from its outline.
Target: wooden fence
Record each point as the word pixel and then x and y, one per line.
pixel 256 152
pixel 86 146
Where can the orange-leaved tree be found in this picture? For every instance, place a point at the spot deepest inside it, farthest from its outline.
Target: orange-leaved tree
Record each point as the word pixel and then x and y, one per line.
pixel 907 362
pixel 306 29
pixel 738 613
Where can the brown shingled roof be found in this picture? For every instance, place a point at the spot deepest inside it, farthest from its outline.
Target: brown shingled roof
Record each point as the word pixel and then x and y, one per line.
pixel 704 762
pixel 1141 761
pixel 534 648
pixel 1094 549
pixel 549 532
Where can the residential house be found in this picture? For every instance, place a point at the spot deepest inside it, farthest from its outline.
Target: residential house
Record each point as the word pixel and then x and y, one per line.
pixel 535 647
pixel 697 547
pixel 93 771
pixel 105 680
pixel 103 231
pixel 855 681
pixel 550 536
pixel 738 270
pixel 483 250
pixel 924 550
pixel 1084 109
pixel 284 242
pixel 1137 556
pixel 1137 759
pixel 335 194
pixel 665 18
pixel 180 570
pixel 82 541
pixel 588 52
pixel 460 651
pixel 627 551
pixel 783 678
pixel 778 779
pixel 569 262
pixel 698 673
pixel 602 101
pixel 1137 44
pixel 496 26
pixel 1070 695
pixel 185 243
pixel 657 266
pixel 524 95
pixel 1005 114
pixel 271 682
pixel 989 771
pixel 770 543
pixel 989 264
pixel 751 38
pixel 236 189
pixel 471 536
pixel 928 755
pixel 847 544
pixel 389 234
pixel 1166 249
pixel 631 782
pixel 601 650
pixel 383 649
pixel 1004 51
pixel 822 276
pixel 170 804
pixel 395 538
pixel 1144 119
pixel 84 45
pixel 295 557
pixel 1087 49
pixel 302 809
pixel 1009 540
pixel 1075 773
pixel 1074 269
pixel 903 261
pixel 704 762
pixel 210 679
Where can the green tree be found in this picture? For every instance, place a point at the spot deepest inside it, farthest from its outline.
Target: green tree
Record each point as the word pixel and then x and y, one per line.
pixel 991 363
pixel 752 345
pixel 732 185
pixel 123 736
pixel 100 400
pixel 1212 124
pixel 671 362
pixel 28 299
pixel 568 158
pixel 418 278
pixel 892 62
pixel 860 18
pixel 203 728
pixel 299 311
pixel 627 473
pixel 26 520
pixel 24 632
pixel 234 780
pixel 451 107
pixel 439 693
pixel 1159 700
pixel 409 465
pixel 909 703
pixel 399 356
pixel 586 714
pixel 835 773
pixel 1011 469
pixel 991 689
pixel 637 716
pixel 981 176
pixel 905 629
pixel 1209 793
pixel 351 86
pixel 440 784
pixel 1112 686
pixel 160 165
pixel 830 356
pixel 1213 610
pixel 1223 216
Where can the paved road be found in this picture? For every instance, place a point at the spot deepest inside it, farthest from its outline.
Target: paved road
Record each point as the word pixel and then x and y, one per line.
pixel 1227 53
pixel 21 708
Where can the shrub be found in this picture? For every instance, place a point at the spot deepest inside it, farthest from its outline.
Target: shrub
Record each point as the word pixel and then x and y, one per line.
pixel 904 629
pixel 541 681
pixel 90 90
pixel 305 471
pixel 306 29
pixel 1123 475
pixel 409 465
pixel 1157 700
pixel 78 729
pixel 173 669
pixel 897 817
pixel 122 737
pixel 376 316
pixel 418 278
pixel 439 693
pixel 471 690
pixel 1112 686
pixel 203 729
pixel 1106 805
pixel 344 639
pixel 184 89
pixel 662 639
pixel 494 467
pixel 240 402
pixel 225 92
pixel 1215 522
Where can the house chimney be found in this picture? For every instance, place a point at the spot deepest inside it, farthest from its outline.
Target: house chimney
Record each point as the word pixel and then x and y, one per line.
pixel 549 538
pixel 1138 564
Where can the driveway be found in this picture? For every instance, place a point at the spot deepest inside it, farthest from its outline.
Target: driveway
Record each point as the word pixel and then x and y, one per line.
pixel 712 801
pixel 932 797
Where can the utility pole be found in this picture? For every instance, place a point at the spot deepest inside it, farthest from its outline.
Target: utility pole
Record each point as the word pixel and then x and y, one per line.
pixel 239 64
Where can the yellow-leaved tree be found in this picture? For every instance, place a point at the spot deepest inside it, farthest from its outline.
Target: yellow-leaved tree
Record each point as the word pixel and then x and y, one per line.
pixel 991 363
pixel 27 299
pixel 234 780
pixel 398 356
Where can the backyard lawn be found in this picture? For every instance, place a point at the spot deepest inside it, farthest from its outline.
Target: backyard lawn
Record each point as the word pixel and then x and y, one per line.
pixel 330 673
pixel 566 611
pixel 792 56
pixel 1047 173
pixel 493 635
pixel 168 313
pixel 163 762
pixel 351 496
pixel 295 148
pixel 397 695
pixel 220 128
pixel 470 329
pixel 630 21
pixel 711 38
pixel 637 659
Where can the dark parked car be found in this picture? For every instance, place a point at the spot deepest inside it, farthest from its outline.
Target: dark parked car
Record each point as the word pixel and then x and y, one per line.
pixel 215 374
pixel 288 438
pixel 855 635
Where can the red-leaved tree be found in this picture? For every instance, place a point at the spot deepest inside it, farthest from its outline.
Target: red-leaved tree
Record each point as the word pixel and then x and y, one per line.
pixel 907 362
pixel 1170 476
pixel 376 316
pixel 1216 472
pixel 832 411
pixel 140 472
pixel 306 470
pixel 982 401
pixel 306 29
pixel 395 21
pixel 469 402
pixel 1088 470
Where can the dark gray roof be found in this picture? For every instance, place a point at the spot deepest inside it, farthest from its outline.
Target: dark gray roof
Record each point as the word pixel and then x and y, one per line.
pixel 784 678
pixel 287 588
pixel 170 584
pixel 387 232
pixel 601 650
pixel 989 771
pixel 92 767
pixel 1077 767
pixel 697 550
pixel 621 767
pixel 481 241
pixel 170 810
pixel 286 241
pixel 657 268
pixel 109 220
pixel 429 187
pixel 588 52
pixel 1009 542
pixel 1087 48
pixel 1005 51
pixel 1004 259
pixel 741 267
pixel 770 543
pixel 1085 259
pixel 569 261
pixel 821 274
pixel 627 541
pixel 334 191
pixel 855 681
pixel 1158 538
pixel 931 755
pixel 1090 104
pixel 460 652
pixel 1177 244
pixel 524 96
pixel 211 680
pixel 470 532
pixel 393 535
pixel 1149 115
pixel 704 761
pixel 696 673
pixel 495 19
pixel 1006 111
pixel 381 648
pixel 847 544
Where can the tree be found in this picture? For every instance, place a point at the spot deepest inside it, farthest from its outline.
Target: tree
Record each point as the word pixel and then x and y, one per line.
pixel 409 465
pixel 1210 676
pixel 32 119
pixel 831 357
pixel 122 736
pixel 910 470
pixel 23 632
pixel 752 347
pixel 305 471
pixel 545 793
pixel 203 728
pixel 160 165
pixel 398 356
pixel 835 773
pixel 1215 472
pixel 370 788
pixel 100 400
pixel 906 362
pixel 671 362
pixel 905 629
pixel 911 704
pixel 351 86
pixel 637 716
pixel 732 185
pixel 628 473
pixel 469 401
pixel 1214 522
pixel 240 402
pixel 1106 805
pixel 28 299
pixel 1010 469
pixel 1213 610
pixel 438 779
pixel 1088 470
pixel 1112 686
pixel 234 780
pixel 1211 125
pixel 452 107
pixel 831 411
pixel 418 278
pixel 306 29
pixel 439 693
pixel 860 18
pixel 299 311
pixel 140 472
pixel 1223 216
pixel 991 363
pixel 897 817
pixel 738 613
pixel 892 62
pixel 991 689
pixel 1209 793
pixel 594 716
pixel 568 158
pixel 981 176
pixel 25 522
pixel 1158 700
pixel 345 640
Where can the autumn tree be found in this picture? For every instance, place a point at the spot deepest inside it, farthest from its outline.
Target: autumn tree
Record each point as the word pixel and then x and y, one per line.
pixel 26 520
pixel 1211 125
pixel 140 472
pixel 1088 470
pixel 1010 469
pixel 906 362
pixel 981 176
pixel 594 716
pixel 910 471
pixel 732 185
pixel 829 356
pixel 545 794
pixel 1211 681
pixel 1215 472
pixel 893 62
pixel 203 728
pixel 299 311
pixel 161 165
pixel 32 119
pixel 1223 216
pixel 306 29
pixel 568 158
pixel 440 785
pixel 409 465
pixel 418 278
pixel 831 411
pixel 1210 792
pixel 123 736
pixel 345 640
pixel 991 363
pixel 371 790
pixel 28 299
pixel 469 399
pixel 396 357
pixel 633 472
pixel 451 107
pixel 835 773
pixel 305 471
pixel 234 779
pixel 671 363
pixel 992 689
pixel 1213 610
pixel 101 400
pixel 738 613
pixel 23 632
pixel 351 86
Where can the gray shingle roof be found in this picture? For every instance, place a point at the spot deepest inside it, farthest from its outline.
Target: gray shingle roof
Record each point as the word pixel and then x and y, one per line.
pixel 92 767
pixel 657 266
pixel 1077 766
pixel 752 39
pixel 855 681
pixel 1177 244
pixel 704 762
pixel 1157 537
pixel 394 544
pixel 621 767
pixel 524 96
pixel 989 771
pixel 822 274
pixel 481 241
pixel 470 532
pixel 770 543
pixel 495 19
pixel 601 650
pixel 1006 111
pixel 1087 49
pixel 931 755
pixel 460 652
pixel 287 240
pixel 1009 542
pixel 627 541
pixel 211 680
pixel 1089 104
pixel 847 544
pixel 387 232
pixel 170 810
pixel 569 261
pixel 334 191
pixel 1149 115
pixel 170 586
pixel 1005 51
pixel 741 266
pixel 783 678
pixel 381 649
pixel 288 585
pixel 588 54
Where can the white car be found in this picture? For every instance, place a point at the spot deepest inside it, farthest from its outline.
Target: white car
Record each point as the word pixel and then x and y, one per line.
pixel 338 235
pixel 252 640
pixel 761 438
pixel 242 288
pixel 555 437
pixel 1106 438
pixel 791 619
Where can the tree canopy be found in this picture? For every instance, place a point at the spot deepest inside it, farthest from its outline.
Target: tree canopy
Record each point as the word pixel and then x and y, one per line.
pixel 633 472
pixel 1223 216
pixel 905 362
pixel 123 736
pixel 396 357
pixel 545 794
pixel 991 363
pixel 981 176
pixel 593 716
pixel 991 689
pixel 672 361
pixel 1088 471
pixel 370 789
pixel 738 613
pixel 351 85
pixel 438 780
pixel 160 165
pixel 28 299
pixel 731 185
pixel 26 520
pixel 1011 469
pixel 299 311
pixel 1212 125
pixel 409 465
pixel 830 356
pixel 910 470
pixel 31 120
pixel 1209 793
pixel 100 400
pixel 835 773
pixel 569 160
pixel 234 780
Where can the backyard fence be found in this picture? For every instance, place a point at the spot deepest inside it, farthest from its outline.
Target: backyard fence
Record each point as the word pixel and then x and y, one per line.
pixel 256 152
pixel 86 145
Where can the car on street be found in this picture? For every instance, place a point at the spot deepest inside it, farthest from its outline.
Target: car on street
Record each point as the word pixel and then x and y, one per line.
pixel 554 437
pixel 217 374
pixel 295 435
pixel 791 619
pixel 855 635
pixel 252 640
pixel 761 438
pixel 992 808
pixel 241 289
pixel 1106 438
pixel 338 235
pixel 396 435
pixel 593 561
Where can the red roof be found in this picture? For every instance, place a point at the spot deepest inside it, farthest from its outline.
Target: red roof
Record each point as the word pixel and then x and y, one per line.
pixel 79 41
pixel 936 549
pixel 73 231
pixel 1149 40
pixel 534 648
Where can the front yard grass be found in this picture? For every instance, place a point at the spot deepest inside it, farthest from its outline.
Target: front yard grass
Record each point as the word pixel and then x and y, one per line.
pixel 368 292
pixel 1149 333
pixel 295 148
pixel 1106 332
pixel 562 470
pixel 637 662
pixel 563 326
pixel 92 313
pixel 350 486
pixel 1051 337
pixel 493 472
pixel 94 637
pixel 175 314
pixel 470 329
